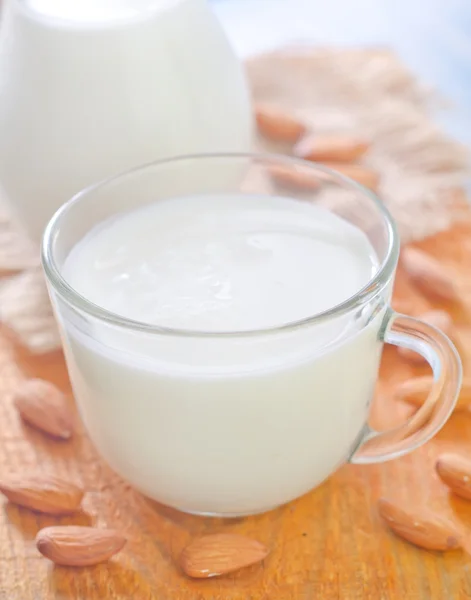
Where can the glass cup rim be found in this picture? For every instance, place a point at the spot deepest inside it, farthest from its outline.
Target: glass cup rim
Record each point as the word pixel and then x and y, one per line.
pixel 80 303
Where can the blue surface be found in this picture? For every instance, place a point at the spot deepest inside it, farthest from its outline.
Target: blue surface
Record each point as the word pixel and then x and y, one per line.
pixel 433 37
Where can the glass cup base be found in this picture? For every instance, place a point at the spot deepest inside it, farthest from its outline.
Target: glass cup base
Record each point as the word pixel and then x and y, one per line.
pixel 219 515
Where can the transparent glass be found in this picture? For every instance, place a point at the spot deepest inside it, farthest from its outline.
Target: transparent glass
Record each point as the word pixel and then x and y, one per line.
pixel 239 422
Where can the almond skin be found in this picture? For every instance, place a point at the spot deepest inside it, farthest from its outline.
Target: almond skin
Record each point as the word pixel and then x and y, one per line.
pixel 73 546
pixel 428 274
pixel 293 178
pixel 44 407
pixel 416 390
pixel 439 319
pixel 331 148
pixel 220 554
pixel 426 530
pixel 455 471
pixel 404 307
pixel 45 494
pixel 362 175
pixel 278 125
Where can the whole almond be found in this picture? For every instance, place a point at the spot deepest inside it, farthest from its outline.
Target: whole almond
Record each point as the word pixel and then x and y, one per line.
pixel 362 175
pixel 42 493
pixel 416 390
pixel 455 471
pixel 44 407
pixel 73 546
pixel 294 178
pixel 331 148
pixel 278 125
pixel 428 274
pixel 404 307
pixel 219 554
pixel 421 528
pixel 439 319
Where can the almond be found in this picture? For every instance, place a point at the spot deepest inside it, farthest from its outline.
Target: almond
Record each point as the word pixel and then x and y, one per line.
pixel 362 175
pixel 73 546
pixel 44 407
pixel 455 471
pixel 404 307
pixel 45 494
pixel 294 178
pixel 278 125
pixel 439 319
pixel 219 554
pixel 428 274
pixel 416 390
pixel 421 528
pixel 331 148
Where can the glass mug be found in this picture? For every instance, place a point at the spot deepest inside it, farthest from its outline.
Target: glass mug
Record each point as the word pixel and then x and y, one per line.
pixel 237 423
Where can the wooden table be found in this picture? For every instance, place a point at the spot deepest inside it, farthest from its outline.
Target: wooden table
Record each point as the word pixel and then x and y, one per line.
pixel 328 545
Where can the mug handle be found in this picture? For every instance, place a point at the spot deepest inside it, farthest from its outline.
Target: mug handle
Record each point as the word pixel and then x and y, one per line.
pixel 442 356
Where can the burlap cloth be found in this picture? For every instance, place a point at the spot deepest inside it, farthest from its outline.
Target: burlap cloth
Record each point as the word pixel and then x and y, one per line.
pixel 364 91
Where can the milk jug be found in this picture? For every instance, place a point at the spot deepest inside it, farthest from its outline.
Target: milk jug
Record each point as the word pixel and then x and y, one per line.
pixel 89 88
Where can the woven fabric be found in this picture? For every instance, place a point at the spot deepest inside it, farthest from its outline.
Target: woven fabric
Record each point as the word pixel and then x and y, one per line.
pixel 368 92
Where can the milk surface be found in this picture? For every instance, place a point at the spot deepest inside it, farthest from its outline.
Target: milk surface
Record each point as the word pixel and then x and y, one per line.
pixel 95 11
pixel 229 264
pixel 228 424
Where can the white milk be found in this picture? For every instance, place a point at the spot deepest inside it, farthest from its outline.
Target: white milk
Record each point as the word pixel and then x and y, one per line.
pixel 92 88
pixel 224 425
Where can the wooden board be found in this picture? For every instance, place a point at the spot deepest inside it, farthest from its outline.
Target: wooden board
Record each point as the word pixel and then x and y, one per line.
pixel 328 545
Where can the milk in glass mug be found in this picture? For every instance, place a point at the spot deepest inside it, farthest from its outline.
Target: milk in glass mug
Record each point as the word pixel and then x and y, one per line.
pixel 223 336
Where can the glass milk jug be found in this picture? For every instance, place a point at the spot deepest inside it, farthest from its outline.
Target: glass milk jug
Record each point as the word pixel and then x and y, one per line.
pixel 89 88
